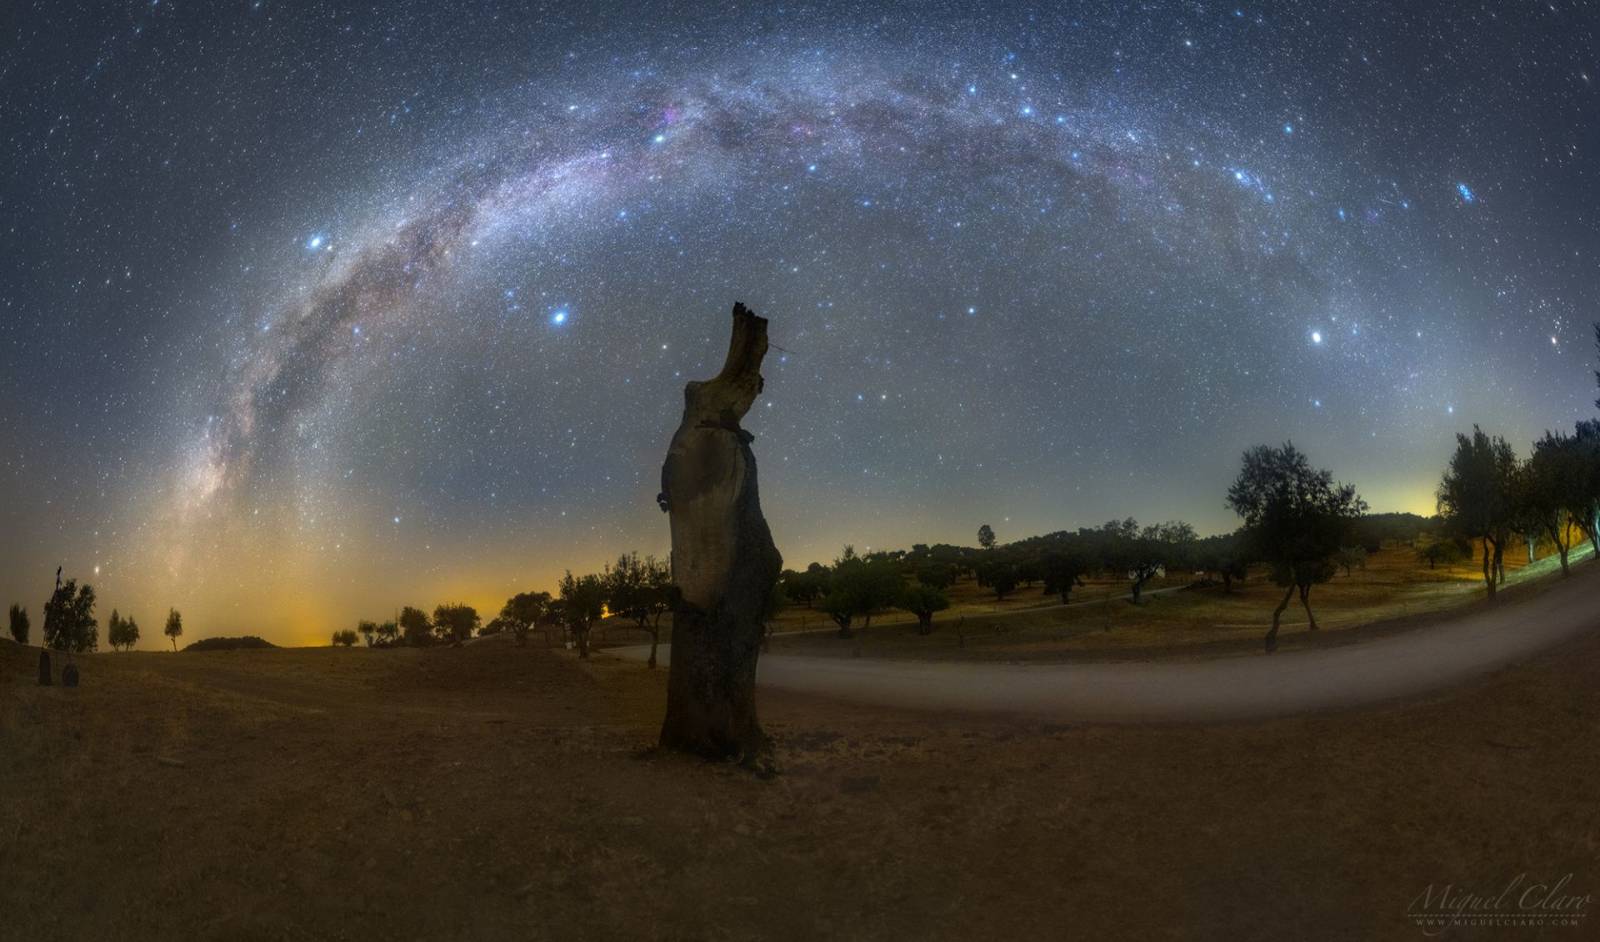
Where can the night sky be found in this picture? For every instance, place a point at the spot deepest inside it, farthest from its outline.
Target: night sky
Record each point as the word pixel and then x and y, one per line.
pixel 312 310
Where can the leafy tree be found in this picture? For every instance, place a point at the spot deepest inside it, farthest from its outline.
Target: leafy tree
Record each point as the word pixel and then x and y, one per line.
pixel 368 631
pixel 936 575
pixel 1478 497
pixel 641 590
pixel 1226 556
pixel 1063 570
pixel 1555 492
pixel 69 622
pixel 522 612
pixel 1142 554
pixel 583 601
pixel 923 600
pixel 998 576
pixel 19 623
pixel 344 637
pixel 858 588
pixel 174 628
pixel 662 596
pixel 455 623
pixel 986 537
pixel 1295 519
pixel 1441 551
pixel 388 635
pixel 415 628
pixel 805 587
pixel 121 633
pixel 1587 517
pixel 1351 558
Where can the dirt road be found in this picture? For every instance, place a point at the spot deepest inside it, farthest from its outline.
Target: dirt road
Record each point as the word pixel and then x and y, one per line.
pixel 1478 641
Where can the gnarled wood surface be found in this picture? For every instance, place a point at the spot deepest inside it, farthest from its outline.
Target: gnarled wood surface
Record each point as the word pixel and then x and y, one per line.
pixel 724 562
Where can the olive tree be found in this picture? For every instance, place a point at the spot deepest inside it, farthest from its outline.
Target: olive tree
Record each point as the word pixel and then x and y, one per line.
pixel 1295 520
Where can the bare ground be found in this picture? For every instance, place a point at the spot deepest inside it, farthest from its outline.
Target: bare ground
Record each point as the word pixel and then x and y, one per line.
pixel 497 792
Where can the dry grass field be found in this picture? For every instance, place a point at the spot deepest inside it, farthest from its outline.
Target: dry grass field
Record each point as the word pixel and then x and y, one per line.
pixel 500 792
pixel 1394 589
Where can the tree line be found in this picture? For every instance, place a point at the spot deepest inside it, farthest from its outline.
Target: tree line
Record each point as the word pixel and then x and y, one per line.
pixel 1295 520
pixel 70 623
pixel 637 588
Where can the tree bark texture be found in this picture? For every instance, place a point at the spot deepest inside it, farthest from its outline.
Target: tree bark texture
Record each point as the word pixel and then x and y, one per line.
pixel 724 562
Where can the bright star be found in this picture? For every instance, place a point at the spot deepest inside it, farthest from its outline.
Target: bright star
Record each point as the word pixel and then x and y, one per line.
pixel 1466 193
pixel 1316 336
pixel 316 242
pixel 558 316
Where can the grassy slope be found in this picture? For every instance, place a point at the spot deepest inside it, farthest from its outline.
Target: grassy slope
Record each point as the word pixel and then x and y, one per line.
pixel 496 792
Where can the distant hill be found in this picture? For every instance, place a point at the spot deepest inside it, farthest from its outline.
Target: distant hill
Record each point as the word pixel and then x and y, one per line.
pixel 228 644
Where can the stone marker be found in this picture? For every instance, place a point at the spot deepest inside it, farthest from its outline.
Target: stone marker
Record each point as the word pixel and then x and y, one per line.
pixel 44 669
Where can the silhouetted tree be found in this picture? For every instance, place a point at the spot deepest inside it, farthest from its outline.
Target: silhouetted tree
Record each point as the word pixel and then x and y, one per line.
pixel 858 588
pixel 121 633
pixel 805 587
pixel 368 631
pixel 1555 492
pixel 1478 496
pixel 1587 434
pixel 1351 558
pixel 936 575
pixel 19 623
pixel 640 590
pixel 583 602
pixel 1226 556
pixel 1142 554
pixel 661 597
pixel 998 576
pixel 69 622
pixel 174 628
pixel 344 637
pixel 1295 519
pixel 986 537
pixel 455 622
pixel 1440 551
pixel 415 628
pixel 922 601
pixel 388 634
pixel 523 611
pixel 1063 571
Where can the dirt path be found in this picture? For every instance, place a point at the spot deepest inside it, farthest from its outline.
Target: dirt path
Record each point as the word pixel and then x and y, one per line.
pixel 1479 641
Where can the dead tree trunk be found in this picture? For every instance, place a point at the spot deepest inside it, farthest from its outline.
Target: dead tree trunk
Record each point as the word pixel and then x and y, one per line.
pixel 723 559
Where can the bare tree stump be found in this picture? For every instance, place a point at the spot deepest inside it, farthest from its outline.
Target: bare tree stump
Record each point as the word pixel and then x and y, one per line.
pixel 724 562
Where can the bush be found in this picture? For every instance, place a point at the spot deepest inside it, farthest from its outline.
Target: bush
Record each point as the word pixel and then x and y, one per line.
pixel 229 644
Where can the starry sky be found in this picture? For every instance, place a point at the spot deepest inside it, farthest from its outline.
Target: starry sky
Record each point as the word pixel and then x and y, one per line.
pixel 309 310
